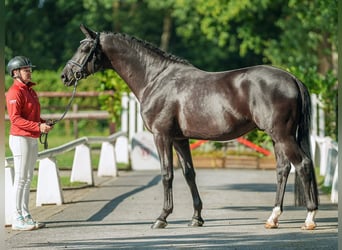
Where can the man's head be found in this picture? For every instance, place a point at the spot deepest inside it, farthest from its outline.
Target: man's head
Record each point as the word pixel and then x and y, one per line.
pixel 20 67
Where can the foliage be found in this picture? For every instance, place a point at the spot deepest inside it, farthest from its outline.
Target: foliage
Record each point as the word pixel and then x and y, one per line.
pixel 299 35
pixel 309 30
pixel 110 80
pixel 320 182
pixel 325 86
pixel 38 30
pixel 49 81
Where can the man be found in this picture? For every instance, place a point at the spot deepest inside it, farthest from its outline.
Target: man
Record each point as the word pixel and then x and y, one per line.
pixel 26 126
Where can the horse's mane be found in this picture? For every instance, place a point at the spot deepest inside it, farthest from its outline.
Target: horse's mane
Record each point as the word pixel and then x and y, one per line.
pixel 149 46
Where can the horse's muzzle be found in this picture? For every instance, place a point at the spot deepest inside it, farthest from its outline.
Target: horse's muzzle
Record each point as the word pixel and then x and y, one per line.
pixel 66 80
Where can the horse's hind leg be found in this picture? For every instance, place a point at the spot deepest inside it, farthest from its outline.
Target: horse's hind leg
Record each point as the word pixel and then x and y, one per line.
pixel 183 152
pixel 283 170
pixel 304 168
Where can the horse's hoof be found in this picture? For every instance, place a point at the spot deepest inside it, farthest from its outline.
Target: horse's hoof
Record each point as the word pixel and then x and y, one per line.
pixel 159 224
pixel 271 225
pixel 309 226
pixel 196 222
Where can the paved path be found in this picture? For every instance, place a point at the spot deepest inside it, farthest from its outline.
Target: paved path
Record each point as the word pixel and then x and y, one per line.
pixel 117 214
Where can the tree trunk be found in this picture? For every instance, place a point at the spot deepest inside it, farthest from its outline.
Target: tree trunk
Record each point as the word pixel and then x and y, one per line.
pixel 165 37
pixel 325 59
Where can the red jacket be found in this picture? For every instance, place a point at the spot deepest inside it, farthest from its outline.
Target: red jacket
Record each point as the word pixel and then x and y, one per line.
pixel 23 109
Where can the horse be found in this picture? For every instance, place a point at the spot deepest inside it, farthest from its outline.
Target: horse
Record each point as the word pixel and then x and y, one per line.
pixel 181 102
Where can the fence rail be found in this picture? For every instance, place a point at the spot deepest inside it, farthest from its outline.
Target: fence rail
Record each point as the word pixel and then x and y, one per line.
pixel 77 94
pixel 74 115
pixel 48 153
pixel 96 115
pixel 115 149
pixel 49 190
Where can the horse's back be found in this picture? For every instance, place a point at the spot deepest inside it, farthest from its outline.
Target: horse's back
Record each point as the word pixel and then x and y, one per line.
pixel 221 105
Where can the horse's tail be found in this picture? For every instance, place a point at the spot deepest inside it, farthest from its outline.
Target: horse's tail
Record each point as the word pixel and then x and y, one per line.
pixel 303 139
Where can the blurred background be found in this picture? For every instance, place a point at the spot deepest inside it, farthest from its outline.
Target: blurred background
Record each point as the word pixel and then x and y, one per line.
pixel 297 35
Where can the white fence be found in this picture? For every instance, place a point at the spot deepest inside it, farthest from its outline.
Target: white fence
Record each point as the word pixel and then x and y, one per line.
pixel 49 190
pixel 324 149
pixel 116 148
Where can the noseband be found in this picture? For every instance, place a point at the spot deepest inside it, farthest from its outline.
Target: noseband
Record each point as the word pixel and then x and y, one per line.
pixel 81 72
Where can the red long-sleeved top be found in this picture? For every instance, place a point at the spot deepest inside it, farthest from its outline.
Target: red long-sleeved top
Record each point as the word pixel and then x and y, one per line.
pixel 23 109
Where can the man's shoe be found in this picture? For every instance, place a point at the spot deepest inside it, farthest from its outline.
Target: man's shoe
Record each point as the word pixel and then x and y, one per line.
pixel 20 225
pixel 28 219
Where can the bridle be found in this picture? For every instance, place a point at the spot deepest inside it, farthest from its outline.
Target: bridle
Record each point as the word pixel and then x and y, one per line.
pixel 81 72
pixel 78 75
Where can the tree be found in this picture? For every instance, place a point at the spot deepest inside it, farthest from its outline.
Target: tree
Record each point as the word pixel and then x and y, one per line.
pixel 298 35
pixel 46 37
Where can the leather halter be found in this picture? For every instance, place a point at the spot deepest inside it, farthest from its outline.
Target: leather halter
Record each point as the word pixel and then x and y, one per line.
pixel 81 72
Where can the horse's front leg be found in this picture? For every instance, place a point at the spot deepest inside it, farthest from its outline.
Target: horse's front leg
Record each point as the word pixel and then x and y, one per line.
pixel 164 147
pixel 183 151
pixel 283 170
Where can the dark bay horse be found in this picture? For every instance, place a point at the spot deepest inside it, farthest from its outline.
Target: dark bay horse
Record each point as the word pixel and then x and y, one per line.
pixel 179 101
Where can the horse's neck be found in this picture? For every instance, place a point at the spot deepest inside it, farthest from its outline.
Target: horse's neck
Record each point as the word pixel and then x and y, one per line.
pixel 135 67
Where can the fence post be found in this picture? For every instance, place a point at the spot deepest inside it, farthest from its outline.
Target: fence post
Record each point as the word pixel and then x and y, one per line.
pixel 124 114
pixel 121 149
pixel 331 162
pixel 144 153
pixel 9 196
pixel 121 144
pixel 313 147
pixel 107 162
pixel 132 116
pixel 314 115
pixel 321 121
pixel 323 144
pixel 75 121
pixel 49 189
pixel 81 166
pixel 140 123
pixel 334 188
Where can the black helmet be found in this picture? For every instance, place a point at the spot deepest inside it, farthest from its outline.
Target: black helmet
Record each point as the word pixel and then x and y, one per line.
pixel 18 62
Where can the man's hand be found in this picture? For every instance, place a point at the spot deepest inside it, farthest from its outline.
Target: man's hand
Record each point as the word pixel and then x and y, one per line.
pixel 44 128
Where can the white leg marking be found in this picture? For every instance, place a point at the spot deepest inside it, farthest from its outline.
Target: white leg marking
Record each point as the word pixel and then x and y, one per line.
pixel 272 221
pixel 310 223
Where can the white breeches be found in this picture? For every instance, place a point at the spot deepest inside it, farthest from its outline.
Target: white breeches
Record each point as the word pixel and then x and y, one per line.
pixel 25 153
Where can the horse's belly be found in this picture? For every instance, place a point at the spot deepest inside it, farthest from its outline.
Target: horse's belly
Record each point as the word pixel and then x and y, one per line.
pixel 216 129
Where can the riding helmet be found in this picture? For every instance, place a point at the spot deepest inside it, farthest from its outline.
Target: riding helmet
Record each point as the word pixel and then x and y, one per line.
pixel 18 62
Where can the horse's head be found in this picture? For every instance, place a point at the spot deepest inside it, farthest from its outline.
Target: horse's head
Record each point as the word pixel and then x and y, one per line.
pixel 86 60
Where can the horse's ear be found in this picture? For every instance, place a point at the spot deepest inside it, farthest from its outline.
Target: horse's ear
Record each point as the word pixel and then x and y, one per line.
pixel 88 32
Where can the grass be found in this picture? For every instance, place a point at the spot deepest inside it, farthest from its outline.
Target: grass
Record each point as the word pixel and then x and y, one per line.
pixel 64 181
pixel 320 183
pixel 64 161
pixel 58 137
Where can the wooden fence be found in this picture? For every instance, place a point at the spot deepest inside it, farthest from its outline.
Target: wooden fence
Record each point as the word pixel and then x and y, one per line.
pixel 49 190
pixel 74 115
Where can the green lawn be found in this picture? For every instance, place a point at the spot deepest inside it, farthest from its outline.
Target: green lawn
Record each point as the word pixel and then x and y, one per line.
pixel 56 138
pixel 64 161
pixel 64 180
pixel 320 182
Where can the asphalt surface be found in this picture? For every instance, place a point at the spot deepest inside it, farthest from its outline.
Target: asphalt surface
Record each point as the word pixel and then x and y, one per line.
pixel 117 213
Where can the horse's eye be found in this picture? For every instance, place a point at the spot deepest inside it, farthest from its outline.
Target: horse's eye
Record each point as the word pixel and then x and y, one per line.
pixel 85 49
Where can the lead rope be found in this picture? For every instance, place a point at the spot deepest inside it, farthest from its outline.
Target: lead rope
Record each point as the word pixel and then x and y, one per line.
pixel 44 136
